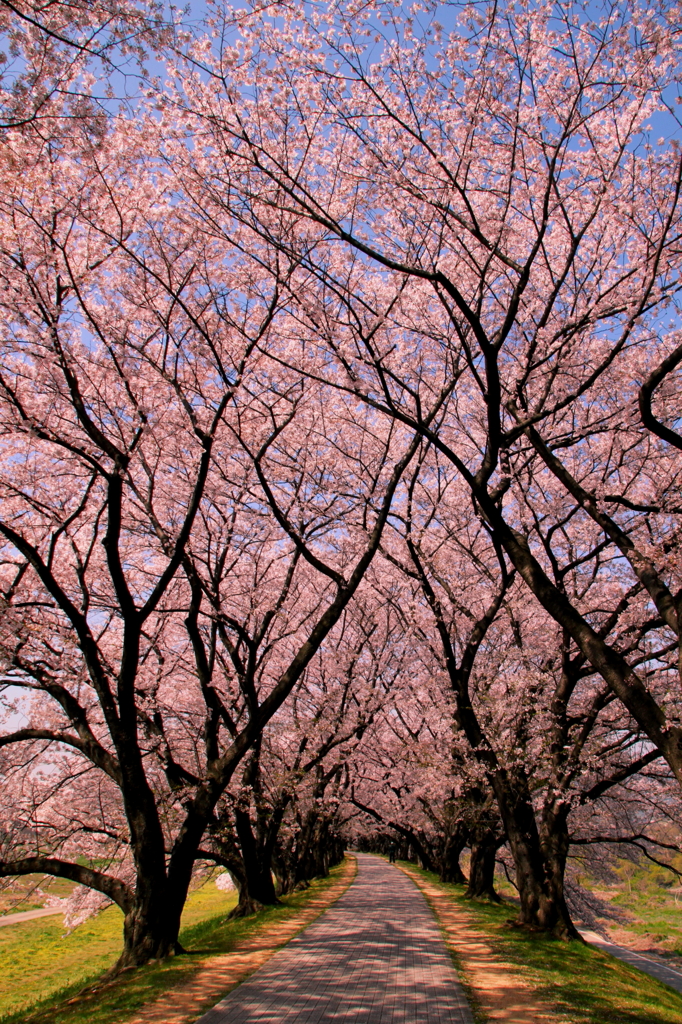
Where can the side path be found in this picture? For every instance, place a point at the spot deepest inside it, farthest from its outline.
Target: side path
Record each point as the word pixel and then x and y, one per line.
pixel 655 968
pixel 377 957
pixel 29 915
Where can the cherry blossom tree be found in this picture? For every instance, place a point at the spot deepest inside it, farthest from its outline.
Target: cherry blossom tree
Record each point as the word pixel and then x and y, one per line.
pixel 530 722
pixel 175 551
pixel 57 53
pixel 484 223
pixel 278 818
pixel 359 307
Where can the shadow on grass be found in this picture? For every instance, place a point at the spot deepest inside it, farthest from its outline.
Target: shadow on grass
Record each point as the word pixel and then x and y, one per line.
pixel 578 980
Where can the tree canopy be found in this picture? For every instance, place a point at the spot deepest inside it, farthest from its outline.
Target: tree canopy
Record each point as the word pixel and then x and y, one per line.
pixel 340 464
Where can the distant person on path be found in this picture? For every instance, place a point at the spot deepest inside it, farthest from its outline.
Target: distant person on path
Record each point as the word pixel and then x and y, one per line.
pixel 392 850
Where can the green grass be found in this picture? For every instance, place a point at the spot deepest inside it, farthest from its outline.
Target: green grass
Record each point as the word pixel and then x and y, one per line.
pixel 580 982
pixel 37 960
pixel 654 911
pixel 654 917
pixel 28 892
pixel 42 970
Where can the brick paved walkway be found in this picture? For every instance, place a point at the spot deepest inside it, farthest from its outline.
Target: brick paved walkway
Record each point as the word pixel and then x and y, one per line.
pixel 377 957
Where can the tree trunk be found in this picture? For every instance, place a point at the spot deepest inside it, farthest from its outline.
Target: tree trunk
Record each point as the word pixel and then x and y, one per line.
pixel 259 888
pixel 311 861
pixel 542 905
pixel 151 927
pixel 450 868
pixel 150 932
pixel 555 845
pixel 284 865
pixel 482 869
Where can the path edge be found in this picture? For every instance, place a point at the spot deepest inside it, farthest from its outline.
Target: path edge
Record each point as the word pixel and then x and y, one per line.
pixel 145 1014
pixel 477 1010
pixel 483 1014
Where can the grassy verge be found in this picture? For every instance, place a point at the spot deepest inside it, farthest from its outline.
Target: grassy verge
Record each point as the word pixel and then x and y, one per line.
pixel 579 981
pixel 40 964
pixel 651 905
pixel 83 956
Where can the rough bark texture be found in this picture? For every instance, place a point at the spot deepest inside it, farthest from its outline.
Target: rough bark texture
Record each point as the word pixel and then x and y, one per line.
pixel 482 867
pixel 450 868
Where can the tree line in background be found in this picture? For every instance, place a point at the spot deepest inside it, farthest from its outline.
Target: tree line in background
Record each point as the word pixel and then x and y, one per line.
pixel 340 451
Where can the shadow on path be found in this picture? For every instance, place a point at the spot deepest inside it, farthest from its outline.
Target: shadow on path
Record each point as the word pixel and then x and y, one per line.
pixel 376 957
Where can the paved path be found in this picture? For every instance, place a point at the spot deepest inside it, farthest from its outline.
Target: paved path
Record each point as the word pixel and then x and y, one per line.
pixel 29 915
pixel 375 957
pixel 655 968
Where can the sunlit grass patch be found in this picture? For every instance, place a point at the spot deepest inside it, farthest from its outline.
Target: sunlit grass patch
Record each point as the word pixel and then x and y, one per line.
pixel 28 892
pixel 38 960
pixel 206 932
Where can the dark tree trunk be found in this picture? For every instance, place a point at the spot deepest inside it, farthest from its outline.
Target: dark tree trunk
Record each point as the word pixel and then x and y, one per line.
pixel 543 907
pixel 482 868
pixel 257 858
pixel 310 853
pixel 151 926
pixel 312 861
pixel 450 868
pixel 252 876
pixel 555 845
pixel 150 932
pixel 284 865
